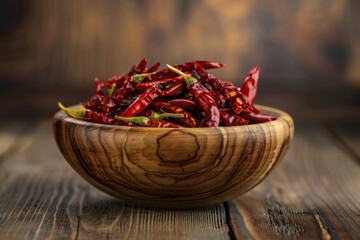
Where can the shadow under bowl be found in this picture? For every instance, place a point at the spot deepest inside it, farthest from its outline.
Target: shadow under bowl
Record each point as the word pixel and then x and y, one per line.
pixel 172 167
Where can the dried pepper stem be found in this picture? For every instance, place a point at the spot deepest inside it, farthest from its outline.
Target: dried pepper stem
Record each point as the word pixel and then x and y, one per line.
pixel 138 78
pixel 112 90
pixel 161 116
pixel 78 114
pixel 140 120
pixel 189 80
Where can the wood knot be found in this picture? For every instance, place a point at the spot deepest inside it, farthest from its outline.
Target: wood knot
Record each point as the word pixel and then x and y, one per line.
pixel 182 153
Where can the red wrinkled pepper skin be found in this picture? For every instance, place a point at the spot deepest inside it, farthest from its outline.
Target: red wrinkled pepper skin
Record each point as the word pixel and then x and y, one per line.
pixel 112 102
pixel 124 123
pixel 117 111
pixel 204 99
pixel 143 101
pixel 257 118
pixel 249 87
pixel 145 85
pixel 204 122
pixel 120 80
pixel 129 87
pixel 98 117
pixel 153 68
pixel 175 89
pixel 188 66
pixel 95 102
pixel 228 110
pixel 187 118
pixel 231 120
pixel 208 64
pixel 147 113
pixel 218 97
pixel 127 101
pixel 185 103
pixel 109 104
pixel 162 124
pixel 140 68
pixel 240 103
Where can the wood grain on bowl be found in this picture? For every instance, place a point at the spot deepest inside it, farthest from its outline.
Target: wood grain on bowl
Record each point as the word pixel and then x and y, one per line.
pixel 178 168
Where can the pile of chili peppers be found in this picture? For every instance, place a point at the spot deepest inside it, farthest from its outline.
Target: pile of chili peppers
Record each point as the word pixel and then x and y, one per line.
pixel 183 95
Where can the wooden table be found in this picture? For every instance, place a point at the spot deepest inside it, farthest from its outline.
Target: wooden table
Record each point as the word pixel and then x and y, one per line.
pixel 313 194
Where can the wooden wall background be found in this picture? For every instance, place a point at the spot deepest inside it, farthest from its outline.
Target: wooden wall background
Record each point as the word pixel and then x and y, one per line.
pixel 62 43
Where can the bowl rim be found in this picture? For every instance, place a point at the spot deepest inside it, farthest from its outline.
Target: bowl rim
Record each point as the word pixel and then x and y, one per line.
pixel 279 114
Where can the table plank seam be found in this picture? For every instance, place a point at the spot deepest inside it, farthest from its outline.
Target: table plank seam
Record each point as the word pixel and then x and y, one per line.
pixel 231 208
pixel 339 142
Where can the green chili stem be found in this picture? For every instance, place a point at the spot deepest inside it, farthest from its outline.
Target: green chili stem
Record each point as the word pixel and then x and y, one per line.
pixel 139 77
pixel 112 90
pixel 189 80
pixel 141 120
pixel 160 116
pixel 78 114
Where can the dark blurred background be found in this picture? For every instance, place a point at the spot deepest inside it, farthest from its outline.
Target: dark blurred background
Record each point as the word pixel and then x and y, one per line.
pixel 308 50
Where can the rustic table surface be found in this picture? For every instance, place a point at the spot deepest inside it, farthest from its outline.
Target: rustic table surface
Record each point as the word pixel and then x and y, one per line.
pixel 313 194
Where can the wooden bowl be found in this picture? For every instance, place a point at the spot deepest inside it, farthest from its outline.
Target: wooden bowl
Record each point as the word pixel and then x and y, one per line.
pixel 170 167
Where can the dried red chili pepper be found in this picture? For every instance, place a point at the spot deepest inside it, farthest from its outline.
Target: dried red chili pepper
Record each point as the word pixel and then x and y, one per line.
pixel 216 102
pixel 204 122
pixel 153 68
pixel 120 80
pixel 113 101
pixel 88 115
pixel 117 111
pixel 188 66
pixel 184 103
pixel 95 102
pixel 202 97
pixel 109 104
pixel 187 118
pixel 127 101
pixel 143 101
pixel 149 122
pixel 218 97
pixel 175 89
pixel 124 123
pixel 231 120
pixel 160 116
pixel 257 118
pixel 126 89
pixel 232 93
pixel 249 87
pixel 140 68
pixel 228 110
pixel 162 123
pixel 145 85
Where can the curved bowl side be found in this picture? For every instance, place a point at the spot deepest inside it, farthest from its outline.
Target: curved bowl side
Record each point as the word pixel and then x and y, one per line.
pixel 178 168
